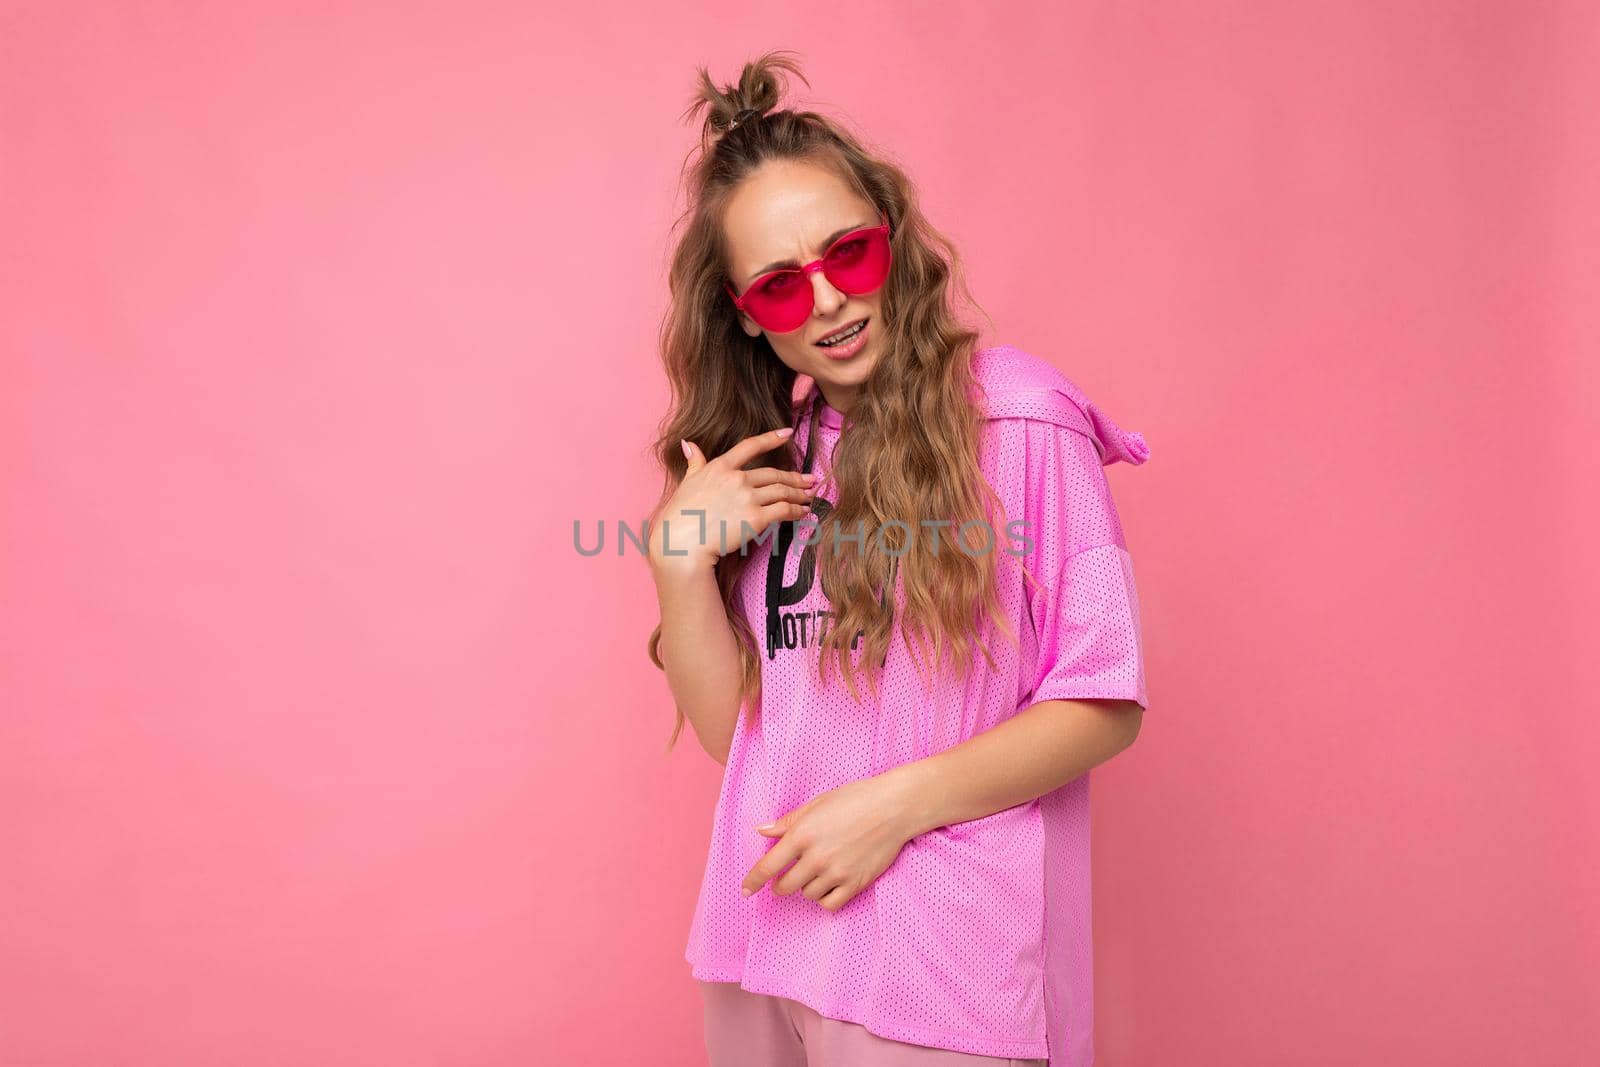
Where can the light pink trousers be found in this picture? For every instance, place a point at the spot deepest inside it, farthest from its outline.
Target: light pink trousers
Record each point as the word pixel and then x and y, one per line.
pixel 745 1029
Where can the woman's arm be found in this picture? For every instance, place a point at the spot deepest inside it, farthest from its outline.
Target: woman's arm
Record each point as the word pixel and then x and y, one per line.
pixel 717 507
pixel 835 844
pixel 1040 748
pixel 699 648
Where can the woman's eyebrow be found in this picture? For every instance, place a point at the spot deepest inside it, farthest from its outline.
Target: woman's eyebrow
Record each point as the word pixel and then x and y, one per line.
pixel 832 237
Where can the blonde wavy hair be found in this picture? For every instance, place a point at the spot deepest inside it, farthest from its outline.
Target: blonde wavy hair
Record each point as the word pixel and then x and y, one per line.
pixel 911 453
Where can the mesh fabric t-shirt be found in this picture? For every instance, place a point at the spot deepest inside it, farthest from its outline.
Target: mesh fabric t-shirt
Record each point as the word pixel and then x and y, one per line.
pixel 977 937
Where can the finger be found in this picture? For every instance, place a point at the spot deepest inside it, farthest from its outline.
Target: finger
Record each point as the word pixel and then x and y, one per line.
pixel 821 886
pixel 837 898
pixel 782 511
pixel 696 459
pixel 805 870
pixel 777 858
pixel 775 476
pixel 759 445
pixel 771 494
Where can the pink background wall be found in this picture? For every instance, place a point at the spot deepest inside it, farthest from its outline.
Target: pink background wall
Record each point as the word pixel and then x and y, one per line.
pixel 320 744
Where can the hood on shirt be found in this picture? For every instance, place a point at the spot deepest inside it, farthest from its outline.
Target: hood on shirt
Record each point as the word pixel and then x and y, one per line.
pixel 1018 384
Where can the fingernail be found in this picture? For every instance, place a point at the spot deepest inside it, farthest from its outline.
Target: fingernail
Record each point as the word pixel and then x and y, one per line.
pixel 685 444
pixel 786 431
pixel 744 892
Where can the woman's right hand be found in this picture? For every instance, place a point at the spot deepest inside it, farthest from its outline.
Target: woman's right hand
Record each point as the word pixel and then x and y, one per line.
pixel 719 495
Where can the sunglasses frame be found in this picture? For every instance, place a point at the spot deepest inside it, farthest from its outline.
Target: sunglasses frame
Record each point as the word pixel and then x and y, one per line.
pixel 811 268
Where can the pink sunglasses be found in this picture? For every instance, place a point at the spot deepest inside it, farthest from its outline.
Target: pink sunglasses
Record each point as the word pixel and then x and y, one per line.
pixel 781 300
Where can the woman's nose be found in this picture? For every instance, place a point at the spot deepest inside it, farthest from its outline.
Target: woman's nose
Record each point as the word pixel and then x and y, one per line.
pixel 825 297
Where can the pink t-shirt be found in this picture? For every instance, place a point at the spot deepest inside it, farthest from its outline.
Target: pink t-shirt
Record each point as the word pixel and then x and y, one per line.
pixel 977 937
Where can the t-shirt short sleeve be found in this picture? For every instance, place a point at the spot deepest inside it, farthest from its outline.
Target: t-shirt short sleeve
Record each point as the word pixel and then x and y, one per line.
pixel 1083 601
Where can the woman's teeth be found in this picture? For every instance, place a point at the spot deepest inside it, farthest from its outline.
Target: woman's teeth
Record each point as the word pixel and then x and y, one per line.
pixel 839 338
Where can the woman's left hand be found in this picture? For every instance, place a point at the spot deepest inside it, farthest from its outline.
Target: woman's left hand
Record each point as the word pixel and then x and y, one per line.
pixel 838 842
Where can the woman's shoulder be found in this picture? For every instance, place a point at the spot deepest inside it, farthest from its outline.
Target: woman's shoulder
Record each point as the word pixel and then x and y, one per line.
pixel 1017 384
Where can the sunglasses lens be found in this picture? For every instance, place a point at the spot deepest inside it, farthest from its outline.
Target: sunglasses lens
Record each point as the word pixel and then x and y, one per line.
pixel 858 264
pixel 780 303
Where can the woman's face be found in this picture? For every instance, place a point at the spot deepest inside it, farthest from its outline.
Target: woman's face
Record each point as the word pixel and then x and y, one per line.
pixel 786 214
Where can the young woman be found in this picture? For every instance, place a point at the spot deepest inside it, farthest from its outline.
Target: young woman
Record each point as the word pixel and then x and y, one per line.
pixel 899 871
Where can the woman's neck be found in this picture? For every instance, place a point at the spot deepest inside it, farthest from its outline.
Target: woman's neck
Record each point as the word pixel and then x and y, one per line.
pixel 839 399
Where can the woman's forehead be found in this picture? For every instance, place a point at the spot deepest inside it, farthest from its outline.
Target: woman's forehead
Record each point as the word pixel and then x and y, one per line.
pixel 789 201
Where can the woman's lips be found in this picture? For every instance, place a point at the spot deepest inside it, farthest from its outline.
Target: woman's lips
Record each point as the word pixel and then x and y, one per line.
pixel 850 347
